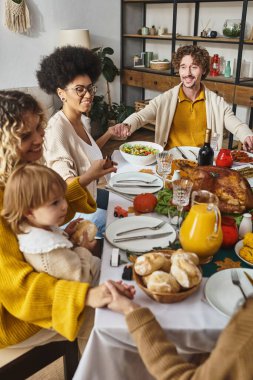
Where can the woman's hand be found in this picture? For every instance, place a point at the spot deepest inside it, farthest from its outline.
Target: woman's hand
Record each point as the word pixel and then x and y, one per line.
pixel 121 130
pixel 101 296
pixel 119 301
pixel 96 171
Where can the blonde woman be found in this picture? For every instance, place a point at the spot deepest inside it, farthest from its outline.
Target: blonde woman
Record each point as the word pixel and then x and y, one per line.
pixel 36 308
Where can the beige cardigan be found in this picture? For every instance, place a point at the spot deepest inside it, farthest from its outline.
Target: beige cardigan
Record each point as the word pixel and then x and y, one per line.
pixel 66 153
pixel 231 359
pixel 160 111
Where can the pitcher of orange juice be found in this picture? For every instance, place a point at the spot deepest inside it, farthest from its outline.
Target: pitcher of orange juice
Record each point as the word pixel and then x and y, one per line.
pixel 201 230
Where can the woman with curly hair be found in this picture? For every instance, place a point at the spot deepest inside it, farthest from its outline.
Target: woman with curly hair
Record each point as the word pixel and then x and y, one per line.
pixel 182 114
pixel 71 73
pixel 36 308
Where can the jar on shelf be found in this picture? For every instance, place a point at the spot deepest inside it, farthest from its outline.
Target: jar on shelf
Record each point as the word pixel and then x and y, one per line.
pixel 152 31
pixel 232 28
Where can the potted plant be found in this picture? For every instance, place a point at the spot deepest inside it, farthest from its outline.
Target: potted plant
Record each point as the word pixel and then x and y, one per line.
pixel 105 113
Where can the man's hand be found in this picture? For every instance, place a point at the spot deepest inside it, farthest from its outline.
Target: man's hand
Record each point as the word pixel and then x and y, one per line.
pixel 248 144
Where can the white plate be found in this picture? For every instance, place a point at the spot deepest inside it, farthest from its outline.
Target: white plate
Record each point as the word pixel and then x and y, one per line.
pixel 186 150
pixel 140 245
pixel 222 294
pixel 138 176
pixel 238 246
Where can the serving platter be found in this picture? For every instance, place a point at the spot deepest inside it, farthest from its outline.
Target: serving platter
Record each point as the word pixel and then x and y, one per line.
pixel 140 245
pixel 246 158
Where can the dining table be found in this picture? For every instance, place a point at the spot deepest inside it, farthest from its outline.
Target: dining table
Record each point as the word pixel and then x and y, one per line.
pixel 192 324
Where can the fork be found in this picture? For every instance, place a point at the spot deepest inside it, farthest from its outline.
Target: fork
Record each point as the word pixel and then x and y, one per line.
pixel 157 227
pixel 136 180
pixel 236 281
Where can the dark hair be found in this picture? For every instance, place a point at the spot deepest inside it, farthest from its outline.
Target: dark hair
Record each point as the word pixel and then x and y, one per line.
pixel 200 57
pixel 61 67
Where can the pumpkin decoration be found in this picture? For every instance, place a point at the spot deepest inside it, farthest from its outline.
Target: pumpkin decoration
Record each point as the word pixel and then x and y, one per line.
pixel 144 203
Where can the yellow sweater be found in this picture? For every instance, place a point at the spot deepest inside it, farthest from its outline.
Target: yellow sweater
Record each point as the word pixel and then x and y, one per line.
pixel 29 300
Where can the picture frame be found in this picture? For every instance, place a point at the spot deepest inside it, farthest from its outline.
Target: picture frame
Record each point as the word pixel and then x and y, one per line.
pixel 139 61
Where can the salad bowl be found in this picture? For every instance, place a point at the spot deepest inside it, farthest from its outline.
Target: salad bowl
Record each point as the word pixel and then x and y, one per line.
pixel 140 153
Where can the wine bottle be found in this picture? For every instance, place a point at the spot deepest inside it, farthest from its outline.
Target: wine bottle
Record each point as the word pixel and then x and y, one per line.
pixel 206 153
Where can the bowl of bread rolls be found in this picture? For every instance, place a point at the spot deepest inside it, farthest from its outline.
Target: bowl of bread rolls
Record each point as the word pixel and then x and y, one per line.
pixel 168 276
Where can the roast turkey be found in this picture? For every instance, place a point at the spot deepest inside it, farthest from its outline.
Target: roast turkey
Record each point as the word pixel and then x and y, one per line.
pixel 232 189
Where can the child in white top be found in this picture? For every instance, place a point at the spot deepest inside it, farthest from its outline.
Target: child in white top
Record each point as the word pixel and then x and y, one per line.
pixel 35 207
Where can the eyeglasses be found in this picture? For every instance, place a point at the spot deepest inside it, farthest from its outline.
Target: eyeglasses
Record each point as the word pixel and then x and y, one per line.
pixel 82 90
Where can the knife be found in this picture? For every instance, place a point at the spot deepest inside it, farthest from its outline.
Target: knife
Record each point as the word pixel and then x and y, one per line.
pixel 182 153
pixel 153 236
pixel 248 277
pixel 126 185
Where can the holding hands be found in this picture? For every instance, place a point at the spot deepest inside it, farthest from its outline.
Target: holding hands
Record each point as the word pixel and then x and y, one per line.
pixel 101 295
pixel 121 130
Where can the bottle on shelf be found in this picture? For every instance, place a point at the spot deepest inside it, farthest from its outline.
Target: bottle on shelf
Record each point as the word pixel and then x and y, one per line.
pixel 206 153
pixel 215 65
pixel 227 73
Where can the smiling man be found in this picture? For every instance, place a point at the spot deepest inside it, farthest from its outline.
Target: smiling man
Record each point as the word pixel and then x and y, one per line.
pixel 182 114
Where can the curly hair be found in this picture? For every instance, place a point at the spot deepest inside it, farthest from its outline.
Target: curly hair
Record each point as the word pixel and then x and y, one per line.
pixel 30 186
pixel 62 66
pixel 13 105
pixel 199 54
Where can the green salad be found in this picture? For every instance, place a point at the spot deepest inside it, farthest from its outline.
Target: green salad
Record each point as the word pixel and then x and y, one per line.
pixel 139 150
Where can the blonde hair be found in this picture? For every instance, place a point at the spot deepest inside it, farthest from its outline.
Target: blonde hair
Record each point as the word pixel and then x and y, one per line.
pixel 13 106
pixel 29 187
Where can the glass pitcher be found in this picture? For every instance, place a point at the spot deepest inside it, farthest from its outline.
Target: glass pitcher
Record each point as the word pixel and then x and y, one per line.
pixel 201 230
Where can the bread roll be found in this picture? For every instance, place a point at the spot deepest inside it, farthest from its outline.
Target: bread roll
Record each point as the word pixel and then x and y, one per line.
pixel 148 263
pixel 189 256
pixel 162 282
pixel 167 264
pixel 185 271
pixel 82 226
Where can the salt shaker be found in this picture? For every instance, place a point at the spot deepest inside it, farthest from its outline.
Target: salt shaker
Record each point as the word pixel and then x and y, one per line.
pixel 245 226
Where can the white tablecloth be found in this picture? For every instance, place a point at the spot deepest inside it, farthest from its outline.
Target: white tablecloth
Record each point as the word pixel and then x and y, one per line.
pixel 110 354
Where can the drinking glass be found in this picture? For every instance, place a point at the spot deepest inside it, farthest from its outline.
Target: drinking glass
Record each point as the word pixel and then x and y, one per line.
pixel 164 160
pixel 181 196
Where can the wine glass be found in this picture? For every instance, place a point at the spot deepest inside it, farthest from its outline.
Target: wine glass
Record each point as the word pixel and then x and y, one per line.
pixel 164 160
pixel 181 196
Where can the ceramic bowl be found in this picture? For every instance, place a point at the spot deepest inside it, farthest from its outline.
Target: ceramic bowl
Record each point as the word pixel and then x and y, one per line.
pixel 139 160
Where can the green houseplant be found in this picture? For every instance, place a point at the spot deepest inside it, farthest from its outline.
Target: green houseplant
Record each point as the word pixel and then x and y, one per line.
pixel 104 112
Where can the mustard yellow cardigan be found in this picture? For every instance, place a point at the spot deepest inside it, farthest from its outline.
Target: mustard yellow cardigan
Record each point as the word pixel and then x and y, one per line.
pixel 29 300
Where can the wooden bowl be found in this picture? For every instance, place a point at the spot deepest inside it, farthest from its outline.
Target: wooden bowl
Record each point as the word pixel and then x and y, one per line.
pixel 164 297
pixel 159 65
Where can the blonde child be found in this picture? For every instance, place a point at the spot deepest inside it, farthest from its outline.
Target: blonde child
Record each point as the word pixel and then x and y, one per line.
pixel 35 206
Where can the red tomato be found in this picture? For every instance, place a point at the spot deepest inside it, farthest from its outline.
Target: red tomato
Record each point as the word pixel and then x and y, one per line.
pixel 144 203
